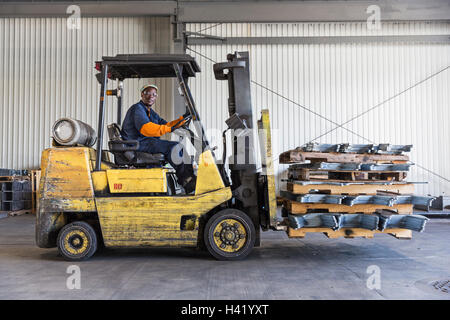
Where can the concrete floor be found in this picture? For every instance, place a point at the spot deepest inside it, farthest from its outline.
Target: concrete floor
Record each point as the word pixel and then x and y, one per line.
pixel 311 268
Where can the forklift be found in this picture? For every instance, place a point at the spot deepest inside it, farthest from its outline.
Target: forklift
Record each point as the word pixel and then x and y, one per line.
pixel 87 200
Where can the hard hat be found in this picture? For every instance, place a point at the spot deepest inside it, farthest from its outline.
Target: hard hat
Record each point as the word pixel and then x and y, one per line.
pixel 148 86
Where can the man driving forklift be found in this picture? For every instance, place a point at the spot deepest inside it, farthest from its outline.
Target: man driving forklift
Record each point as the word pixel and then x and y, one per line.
pixel 142 123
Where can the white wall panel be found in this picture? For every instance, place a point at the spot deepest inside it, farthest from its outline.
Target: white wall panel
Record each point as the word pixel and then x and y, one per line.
pixel 312 88
pixel 47 72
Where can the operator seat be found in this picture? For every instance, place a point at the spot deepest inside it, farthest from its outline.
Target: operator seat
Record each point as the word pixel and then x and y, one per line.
pixel 125 151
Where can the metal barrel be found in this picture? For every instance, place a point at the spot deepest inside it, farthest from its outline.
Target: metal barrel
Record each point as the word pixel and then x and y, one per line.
pixel 71 132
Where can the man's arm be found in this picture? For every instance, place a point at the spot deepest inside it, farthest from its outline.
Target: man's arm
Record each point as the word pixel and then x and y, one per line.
pixel 148 128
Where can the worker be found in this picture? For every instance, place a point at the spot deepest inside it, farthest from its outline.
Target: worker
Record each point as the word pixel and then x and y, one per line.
pixel 142 123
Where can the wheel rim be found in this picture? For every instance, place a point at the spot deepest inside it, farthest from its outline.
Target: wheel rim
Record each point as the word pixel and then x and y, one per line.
pixel 76 242
pixel 230 235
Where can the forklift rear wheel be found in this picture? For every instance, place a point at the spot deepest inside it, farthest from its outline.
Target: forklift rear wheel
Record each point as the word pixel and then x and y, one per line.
pixel 229 235
pixel 77 241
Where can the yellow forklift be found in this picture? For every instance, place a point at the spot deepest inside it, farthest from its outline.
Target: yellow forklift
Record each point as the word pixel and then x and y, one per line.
pixel 86 200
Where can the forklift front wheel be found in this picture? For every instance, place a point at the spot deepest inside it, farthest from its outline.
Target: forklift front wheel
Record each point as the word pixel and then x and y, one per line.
pixel 229 235
pixel 77 241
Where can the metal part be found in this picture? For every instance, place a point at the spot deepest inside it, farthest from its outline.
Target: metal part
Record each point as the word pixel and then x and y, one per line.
pixel 314 220
pixel 351 166
pixel 385 167
pixel 327 166
pixel 411 222
pixel 313 198
pixel 386 148
pixel 383 183
pixel 439 203
pixel 364 221
pixel 381 200
pixel 71 132
pixel 348 200
pixel 316 147
pixel 356 148
pixel 383 148
pixel 416 200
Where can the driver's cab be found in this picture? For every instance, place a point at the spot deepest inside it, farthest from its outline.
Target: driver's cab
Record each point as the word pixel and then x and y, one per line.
pixel 140 172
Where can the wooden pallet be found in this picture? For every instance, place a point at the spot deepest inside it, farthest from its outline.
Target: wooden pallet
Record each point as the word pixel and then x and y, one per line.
pixel 297 155
pixel 349 233
pixel 356 175
pixel 294 207
pixel 350 189
pixel 16 213
pixel 13 178
pixel 35 180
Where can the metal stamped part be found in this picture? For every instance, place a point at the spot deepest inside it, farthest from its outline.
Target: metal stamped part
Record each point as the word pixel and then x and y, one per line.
pixel 385 167
pixel 382 148
pixel 381 200
pixel 438 287
pixel 371 222
pixel 441 285
pixel 314 220
pixel 410 222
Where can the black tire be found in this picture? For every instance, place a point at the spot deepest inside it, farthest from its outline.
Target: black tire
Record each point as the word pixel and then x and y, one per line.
pixel 229 235
pixel 77 241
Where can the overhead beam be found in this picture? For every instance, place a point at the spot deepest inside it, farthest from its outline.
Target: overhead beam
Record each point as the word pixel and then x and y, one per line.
pixel 88 9
pixel 240 11
pixel 308 11
pixel 317 40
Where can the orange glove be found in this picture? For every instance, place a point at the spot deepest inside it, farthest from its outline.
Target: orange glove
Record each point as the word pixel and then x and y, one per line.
pixel 172 123
pixel 151 129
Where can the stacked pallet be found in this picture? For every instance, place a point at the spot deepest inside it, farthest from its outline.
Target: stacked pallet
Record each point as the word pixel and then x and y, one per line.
pixel 15 193
pixel 350 191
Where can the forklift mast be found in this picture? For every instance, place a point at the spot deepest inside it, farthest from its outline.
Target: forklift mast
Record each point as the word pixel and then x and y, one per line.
pixel 246 182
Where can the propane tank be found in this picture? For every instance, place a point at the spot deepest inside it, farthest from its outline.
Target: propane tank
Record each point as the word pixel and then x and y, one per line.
pixel 71 132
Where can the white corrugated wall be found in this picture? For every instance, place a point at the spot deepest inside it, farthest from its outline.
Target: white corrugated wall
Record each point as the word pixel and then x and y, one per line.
pixel 47 72
pixel 312 88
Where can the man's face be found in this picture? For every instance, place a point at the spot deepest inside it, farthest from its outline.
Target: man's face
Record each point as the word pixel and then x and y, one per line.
pixel 149 96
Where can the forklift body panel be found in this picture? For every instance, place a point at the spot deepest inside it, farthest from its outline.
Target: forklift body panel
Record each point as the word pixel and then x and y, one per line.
pixel 70 186
pixel 137 180
pixel 155 221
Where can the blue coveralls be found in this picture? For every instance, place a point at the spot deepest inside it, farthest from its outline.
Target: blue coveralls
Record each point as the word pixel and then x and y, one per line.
pixel 138 115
